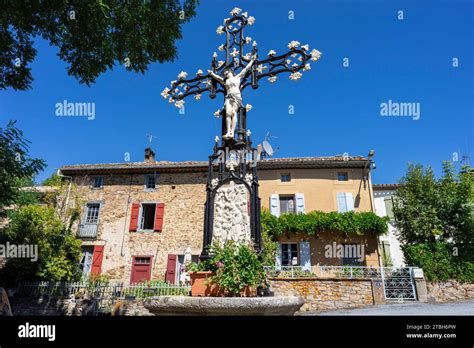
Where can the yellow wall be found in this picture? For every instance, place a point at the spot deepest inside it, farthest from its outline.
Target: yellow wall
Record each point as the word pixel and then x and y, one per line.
pixel 319 187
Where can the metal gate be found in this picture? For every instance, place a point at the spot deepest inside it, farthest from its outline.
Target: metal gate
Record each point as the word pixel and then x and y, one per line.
pixel 398 283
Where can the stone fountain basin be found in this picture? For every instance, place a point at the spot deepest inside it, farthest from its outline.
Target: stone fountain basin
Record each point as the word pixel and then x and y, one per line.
pixel 232 306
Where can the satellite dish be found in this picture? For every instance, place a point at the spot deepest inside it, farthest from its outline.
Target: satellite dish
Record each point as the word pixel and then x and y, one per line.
pixel 267 148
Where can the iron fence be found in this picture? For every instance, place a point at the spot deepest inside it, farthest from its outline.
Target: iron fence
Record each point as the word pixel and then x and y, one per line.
pixel 100 290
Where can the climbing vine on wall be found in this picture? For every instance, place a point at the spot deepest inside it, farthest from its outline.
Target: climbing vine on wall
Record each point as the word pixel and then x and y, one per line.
pixel 349 223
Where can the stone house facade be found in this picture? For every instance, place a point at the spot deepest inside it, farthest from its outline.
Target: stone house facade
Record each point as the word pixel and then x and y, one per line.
pixel 138 219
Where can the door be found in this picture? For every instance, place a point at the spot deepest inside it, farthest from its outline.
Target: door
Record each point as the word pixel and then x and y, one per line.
pixel 141 269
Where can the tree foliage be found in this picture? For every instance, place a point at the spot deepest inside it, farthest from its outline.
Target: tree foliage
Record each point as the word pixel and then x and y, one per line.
pixel 435 221
pixel 427 209
pixel 439 262
pixel 58 250
pixel 92 36
pixel 16 166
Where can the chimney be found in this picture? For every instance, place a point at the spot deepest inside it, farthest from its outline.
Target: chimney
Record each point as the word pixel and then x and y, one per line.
pixel 149 155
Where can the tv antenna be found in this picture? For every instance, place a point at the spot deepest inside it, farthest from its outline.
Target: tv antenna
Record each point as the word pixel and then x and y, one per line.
pixel 150 139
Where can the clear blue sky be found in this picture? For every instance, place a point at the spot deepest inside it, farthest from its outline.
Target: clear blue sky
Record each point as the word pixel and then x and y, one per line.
pixel 337 109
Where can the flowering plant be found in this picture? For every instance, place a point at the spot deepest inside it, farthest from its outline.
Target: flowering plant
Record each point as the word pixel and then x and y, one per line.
pixel 235 267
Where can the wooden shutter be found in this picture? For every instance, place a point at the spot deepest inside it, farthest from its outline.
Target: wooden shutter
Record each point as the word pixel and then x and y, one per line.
pixel 97 259
pixel 299 197
pixel 134 217
pixel 305 255
pixel 159 216
pixel 141 271
pixel 349 201
pixel 341 202
pixel 275 204
pixel 171 269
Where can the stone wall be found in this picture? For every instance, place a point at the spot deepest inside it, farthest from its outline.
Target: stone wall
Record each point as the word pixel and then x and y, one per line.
pixel 449 291
pixel 326 294
pixel 183 195
pixel 52 306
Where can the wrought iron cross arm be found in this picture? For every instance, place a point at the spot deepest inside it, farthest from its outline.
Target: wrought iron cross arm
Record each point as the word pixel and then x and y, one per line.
pixel 182 88
pixel 295 60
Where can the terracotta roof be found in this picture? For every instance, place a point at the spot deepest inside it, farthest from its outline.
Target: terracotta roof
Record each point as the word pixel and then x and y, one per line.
pixel 378 187
pixel 197 166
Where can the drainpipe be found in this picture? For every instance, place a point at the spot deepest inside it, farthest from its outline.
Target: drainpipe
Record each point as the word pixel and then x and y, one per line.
pixel 69 187
pixel 126 213
pixel 368 179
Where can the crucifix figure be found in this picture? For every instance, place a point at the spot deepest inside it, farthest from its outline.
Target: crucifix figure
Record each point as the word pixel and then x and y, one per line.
pixel 239 70
pixel 233 96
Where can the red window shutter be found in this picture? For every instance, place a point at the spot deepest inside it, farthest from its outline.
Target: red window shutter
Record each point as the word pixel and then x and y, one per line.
pixel 134 217
pixel 97 258
pixel 171 269
pixel 159 216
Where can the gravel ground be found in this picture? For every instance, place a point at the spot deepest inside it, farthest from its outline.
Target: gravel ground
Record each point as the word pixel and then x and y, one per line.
pixel 414 308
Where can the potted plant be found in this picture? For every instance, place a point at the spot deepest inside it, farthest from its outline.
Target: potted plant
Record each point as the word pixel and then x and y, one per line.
pixel 232 270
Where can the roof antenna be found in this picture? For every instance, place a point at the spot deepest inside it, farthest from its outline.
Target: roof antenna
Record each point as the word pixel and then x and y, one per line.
pixel 150 139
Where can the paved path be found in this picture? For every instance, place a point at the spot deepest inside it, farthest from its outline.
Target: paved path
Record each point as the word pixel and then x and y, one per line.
pixel 415 308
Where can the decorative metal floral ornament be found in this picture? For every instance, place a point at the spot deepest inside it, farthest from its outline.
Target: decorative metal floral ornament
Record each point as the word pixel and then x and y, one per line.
pixel 295 62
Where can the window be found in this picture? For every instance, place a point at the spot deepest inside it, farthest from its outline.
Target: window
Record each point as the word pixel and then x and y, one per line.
pixel 289 254
pixel 142 260
pixel 150 182
pixel 97 182
pixel 287 204
pixel 345 202
pixel 342 176
pixel 180 269
pixel 285 177
pixel 86 260
pixel 92 213
pixel 147 221
pixel 351 255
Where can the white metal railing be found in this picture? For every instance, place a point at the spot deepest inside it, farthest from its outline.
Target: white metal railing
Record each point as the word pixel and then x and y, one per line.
pixel 101 290
pixel 349 272
pixel 364 272
pixel 287 272
pixel 87 230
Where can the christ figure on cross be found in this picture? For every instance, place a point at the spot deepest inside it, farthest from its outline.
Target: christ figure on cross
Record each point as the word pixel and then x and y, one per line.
pixel 233 97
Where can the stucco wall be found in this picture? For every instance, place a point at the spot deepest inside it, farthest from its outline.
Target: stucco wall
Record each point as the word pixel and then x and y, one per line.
pixel 319 186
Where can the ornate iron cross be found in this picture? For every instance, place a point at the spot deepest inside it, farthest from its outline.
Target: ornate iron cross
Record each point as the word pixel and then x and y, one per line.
pixel 237 57
pixel 240 69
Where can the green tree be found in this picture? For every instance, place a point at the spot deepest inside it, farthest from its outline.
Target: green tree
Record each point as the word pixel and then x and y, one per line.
pixel 16 167
pixel 427 209
pixel 92 36
pixel 58 250
pixel 435 221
